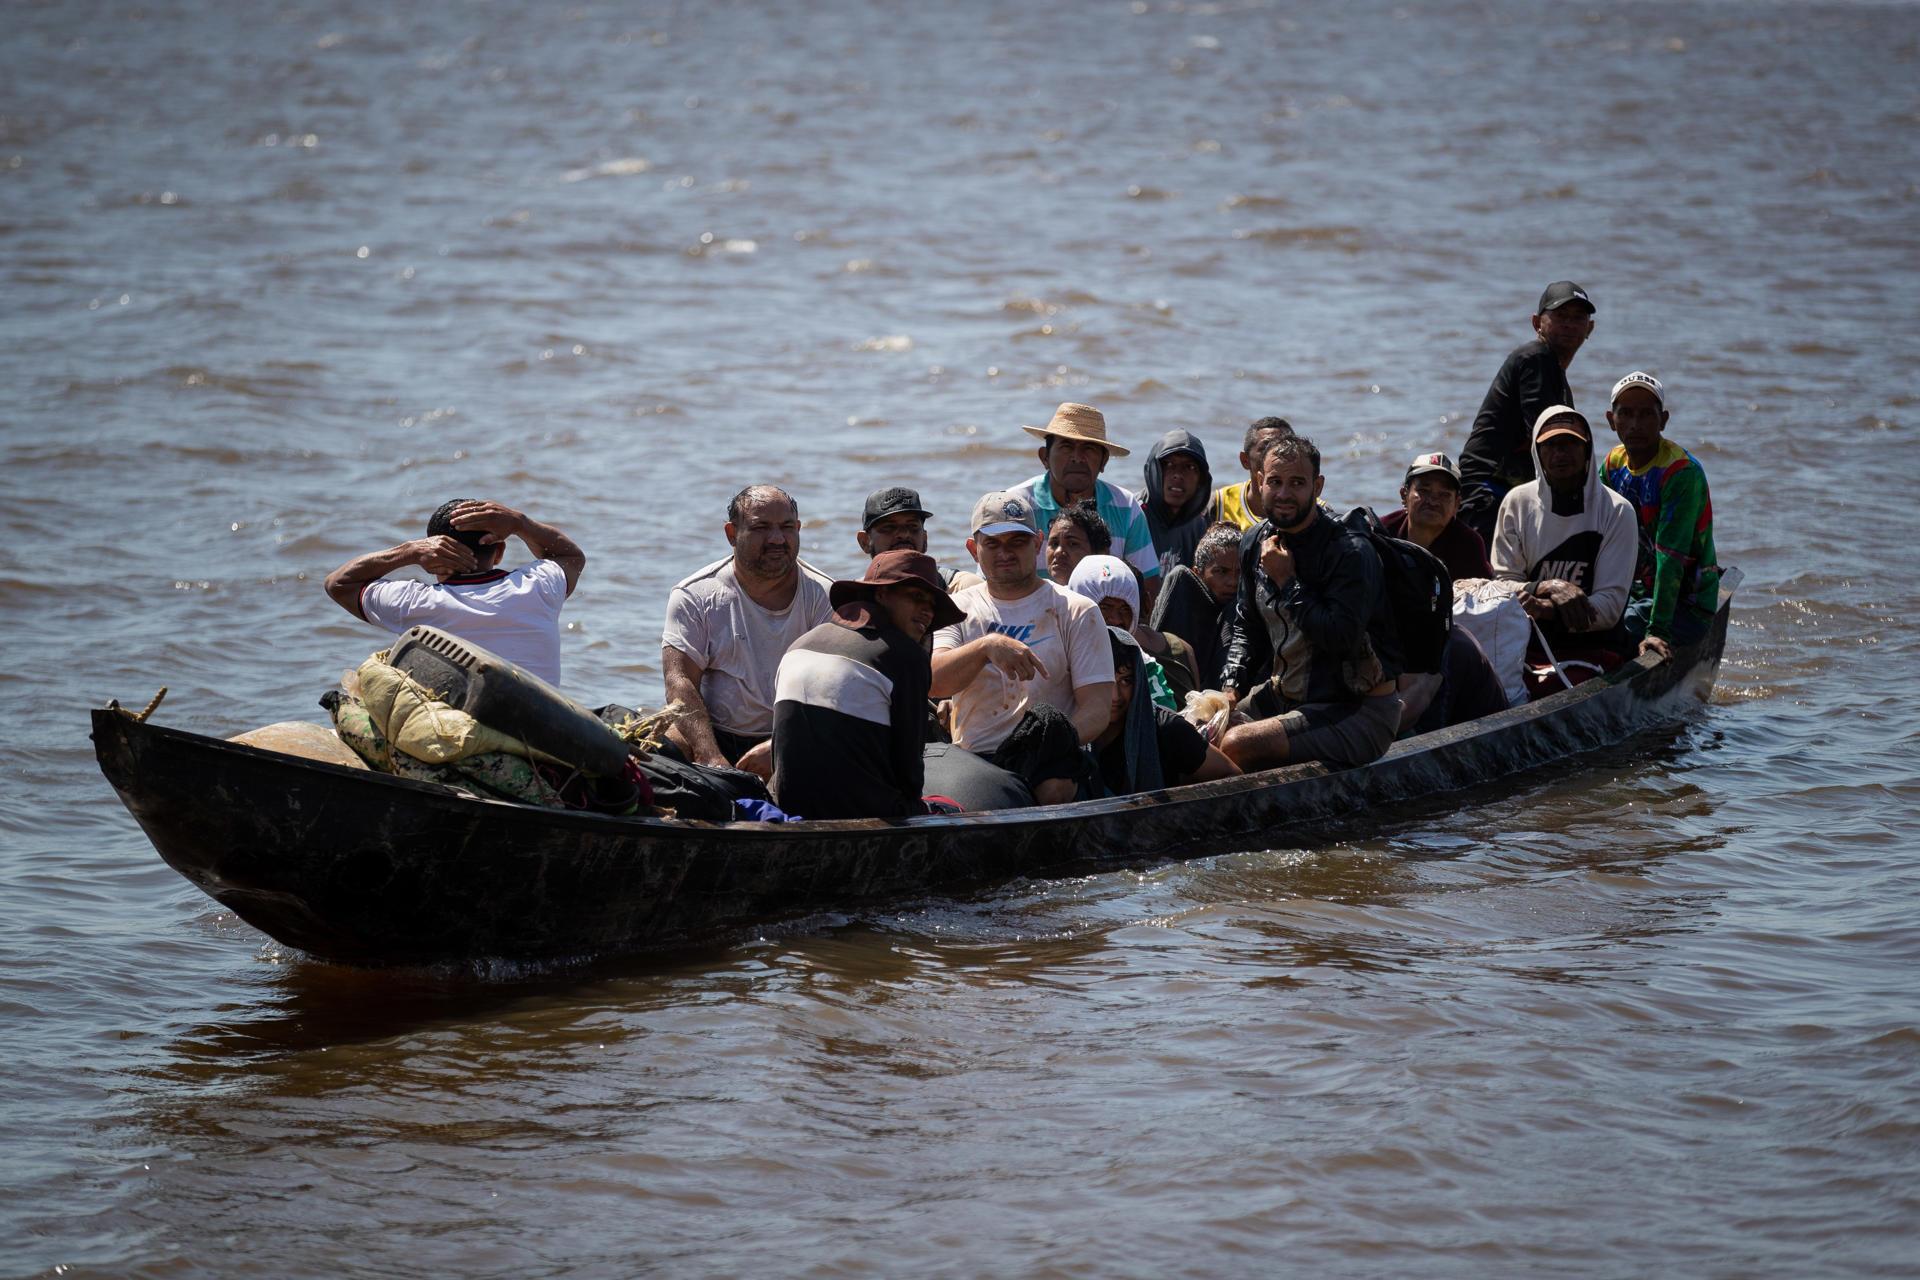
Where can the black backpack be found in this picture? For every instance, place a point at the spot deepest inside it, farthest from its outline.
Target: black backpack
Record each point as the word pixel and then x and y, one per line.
pixel 1419 592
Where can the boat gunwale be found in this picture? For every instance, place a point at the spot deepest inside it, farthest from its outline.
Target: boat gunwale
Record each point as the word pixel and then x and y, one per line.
pixel 1221 788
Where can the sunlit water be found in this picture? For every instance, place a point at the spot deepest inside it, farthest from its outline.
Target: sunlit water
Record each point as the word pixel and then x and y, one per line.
pixel 278 280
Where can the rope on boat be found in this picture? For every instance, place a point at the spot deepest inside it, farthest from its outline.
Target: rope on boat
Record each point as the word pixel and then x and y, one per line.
pixel 138 717
pixel 646 733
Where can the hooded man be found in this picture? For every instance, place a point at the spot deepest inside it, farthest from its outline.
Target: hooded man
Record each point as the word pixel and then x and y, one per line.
pixel 1178 493
pixel 1571 539
pixel 850 697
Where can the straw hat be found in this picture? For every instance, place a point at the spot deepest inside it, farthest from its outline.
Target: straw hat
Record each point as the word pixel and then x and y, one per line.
pixel 1079 422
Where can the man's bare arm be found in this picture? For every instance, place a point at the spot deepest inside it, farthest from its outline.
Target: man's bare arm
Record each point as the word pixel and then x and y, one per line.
pixel 695 731
pixel 1092 708
pixel 546 542
pixel 956 668
pixel 437 556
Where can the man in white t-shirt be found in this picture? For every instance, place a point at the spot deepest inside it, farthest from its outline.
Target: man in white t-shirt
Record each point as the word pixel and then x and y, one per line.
pixel 1030 671
pixel 513 615
pixel 728 626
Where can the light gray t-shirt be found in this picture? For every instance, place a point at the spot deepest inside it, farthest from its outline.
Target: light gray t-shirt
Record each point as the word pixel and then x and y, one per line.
pixel 737 643
pixel 1064 630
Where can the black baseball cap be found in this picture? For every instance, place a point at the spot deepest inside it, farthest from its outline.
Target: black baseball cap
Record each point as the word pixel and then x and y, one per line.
pixel 1559 294
pixel 882 503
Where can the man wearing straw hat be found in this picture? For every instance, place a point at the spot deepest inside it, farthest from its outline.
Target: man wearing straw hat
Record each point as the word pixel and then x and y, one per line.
pixel 1075 449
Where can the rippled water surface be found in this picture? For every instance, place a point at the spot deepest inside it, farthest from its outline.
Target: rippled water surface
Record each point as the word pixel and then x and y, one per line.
pixel 280 279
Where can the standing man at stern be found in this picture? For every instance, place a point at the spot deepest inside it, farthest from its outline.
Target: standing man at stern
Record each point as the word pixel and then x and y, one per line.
pixel 728 626
pixel 1074 449
pixel 1498 456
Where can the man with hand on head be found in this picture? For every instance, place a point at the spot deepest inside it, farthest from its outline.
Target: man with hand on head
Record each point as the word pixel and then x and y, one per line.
pixel 850 700
pixel 728 626
pixel 1029 669
pixel 1572 540
pixel 1498 455
pixel 1075 450
pixel 1676 587
pixel 515 615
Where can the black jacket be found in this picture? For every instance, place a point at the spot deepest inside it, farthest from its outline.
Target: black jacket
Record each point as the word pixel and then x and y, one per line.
pixel 1328 634
pixel 1498 455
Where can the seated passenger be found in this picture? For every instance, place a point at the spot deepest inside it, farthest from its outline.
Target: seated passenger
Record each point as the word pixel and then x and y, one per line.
pixel 1197 604
pixel 894 520
pixel 1312 606
pixel 1075 533
pixel 850 699
pixel 1179 490
pixel 1676 586
pixel 1074 450
pixel 1146 747
pixel 1429 515
pixel 1029 669
pixel 728 626
pixel 514 615
pixel 1110 584
pixel 1571 539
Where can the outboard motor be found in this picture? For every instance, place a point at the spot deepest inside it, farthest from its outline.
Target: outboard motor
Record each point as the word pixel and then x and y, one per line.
pixel 503 697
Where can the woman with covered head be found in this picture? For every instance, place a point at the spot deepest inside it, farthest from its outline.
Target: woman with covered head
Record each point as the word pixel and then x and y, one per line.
pixel 1146 747
pixel 1111 584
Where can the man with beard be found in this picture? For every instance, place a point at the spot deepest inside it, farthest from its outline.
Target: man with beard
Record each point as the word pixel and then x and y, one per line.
pixel 728 626
pixel 1313 609
pixel 1498 455
pixel 850 700
pixel 1573 541
pixel 1179 487
pixel 1075 450
pixel 1029 670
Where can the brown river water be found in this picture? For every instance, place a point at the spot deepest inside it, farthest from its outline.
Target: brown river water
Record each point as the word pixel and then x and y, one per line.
pixel 281 278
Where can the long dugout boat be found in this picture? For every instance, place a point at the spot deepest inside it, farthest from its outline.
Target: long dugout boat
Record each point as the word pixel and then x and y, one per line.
pixel 363 868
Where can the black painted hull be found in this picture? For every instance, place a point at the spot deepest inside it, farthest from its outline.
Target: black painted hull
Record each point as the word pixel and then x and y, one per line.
pixel 367 869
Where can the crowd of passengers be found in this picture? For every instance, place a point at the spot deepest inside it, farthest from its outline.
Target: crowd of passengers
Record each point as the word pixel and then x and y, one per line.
pixel 1073 656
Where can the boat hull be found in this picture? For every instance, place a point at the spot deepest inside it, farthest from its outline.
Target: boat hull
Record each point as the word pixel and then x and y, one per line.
pixel 368 869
